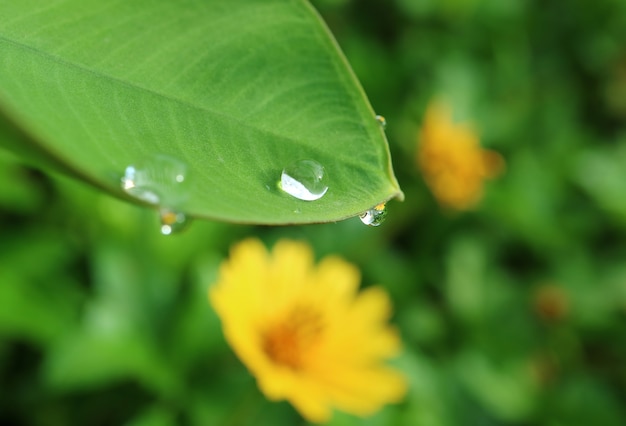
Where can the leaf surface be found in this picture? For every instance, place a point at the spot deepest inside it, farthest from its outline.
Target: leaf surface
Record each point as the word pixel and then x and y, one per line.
pixel 235 90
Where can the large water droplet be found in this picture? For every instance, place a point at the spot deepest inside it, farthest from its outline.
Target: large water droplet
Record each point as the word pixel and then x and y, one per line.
pixel 159 179
pixel 381 120
pixel 172 221
pixel 375 216
pixel 304 179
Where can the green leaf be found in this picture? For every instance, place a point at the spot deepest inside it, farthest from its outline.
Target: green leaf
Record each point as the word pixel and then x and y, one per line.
pixel 235 89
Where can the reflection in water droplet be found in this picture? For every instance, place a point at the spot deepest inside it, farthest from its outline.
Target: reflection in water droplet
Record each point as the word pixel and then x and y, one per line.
pixel 375 216
pixel 172 221
pixel 381 120
pixel 159 179
pixel 304 180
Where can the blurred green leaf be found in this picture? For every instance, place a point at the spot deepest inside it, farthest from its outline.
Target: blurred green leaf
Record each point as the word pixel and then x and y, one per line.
pixel 116 338
pixel 30 313
pixel 101 85
pixel 582 401
pixel 89 359
pixel 37 295
pixel 466 286
pixel 427 401
pixel 18 190
pixel 154 416
pixel 386 416
pixel 197 334
pixel 602 173
pixel 506 390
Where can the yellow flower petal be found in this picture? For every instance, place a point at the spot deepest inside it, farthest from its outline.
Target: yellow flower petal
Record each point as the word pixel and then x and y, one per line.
pixel 361 398
pixel 311 399
pixel 290 269
pixel 337 282
pixel 304 330
pixel 452 162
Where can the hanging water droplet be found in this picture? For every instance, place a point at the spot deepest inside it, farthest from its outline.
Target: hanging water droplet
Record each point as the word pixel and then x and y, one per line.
pixel 172 221
pixel 159 179
pixel 304 179
pixel 375 216
pixel 381 120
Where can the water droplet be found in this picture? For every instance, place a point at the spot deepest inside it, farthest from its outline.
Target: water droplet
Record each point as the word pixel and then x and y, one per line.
pixel 381 120
pixel 159 179
pixel 172 221
pixel 304 180
pixel 375 216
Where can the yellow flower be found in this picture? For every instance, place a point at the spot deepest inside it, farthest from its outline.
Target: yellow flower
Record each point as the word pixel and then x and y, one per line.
pixel 452 162
pixel 304 331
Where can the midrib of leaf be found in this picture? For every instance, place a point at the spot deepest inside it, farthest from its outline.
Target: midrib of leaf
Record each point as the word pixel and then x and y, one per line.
pixel 133 85
pixel 185 102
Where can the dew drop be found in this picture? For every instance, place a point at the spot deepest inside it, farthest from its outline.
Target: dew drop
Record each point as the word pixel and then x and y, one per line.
pixel 159 179
pixel 304 180
pixel 375 216
pixel 381 120
pixel 172 221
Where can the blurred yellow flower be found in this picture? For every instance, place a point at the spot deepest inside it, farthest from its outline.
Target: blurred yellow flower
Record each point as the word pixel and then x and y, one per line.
pixel 452 162
pixel 305 332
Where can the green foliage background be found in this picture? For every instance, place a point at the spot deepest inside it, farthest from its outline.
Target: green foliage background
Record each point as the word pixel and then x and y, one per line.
pixel 513 314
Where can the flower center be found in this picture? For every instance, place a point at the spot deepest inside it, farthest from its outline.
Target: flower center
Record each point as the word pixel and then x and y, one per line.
pixel 287 342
